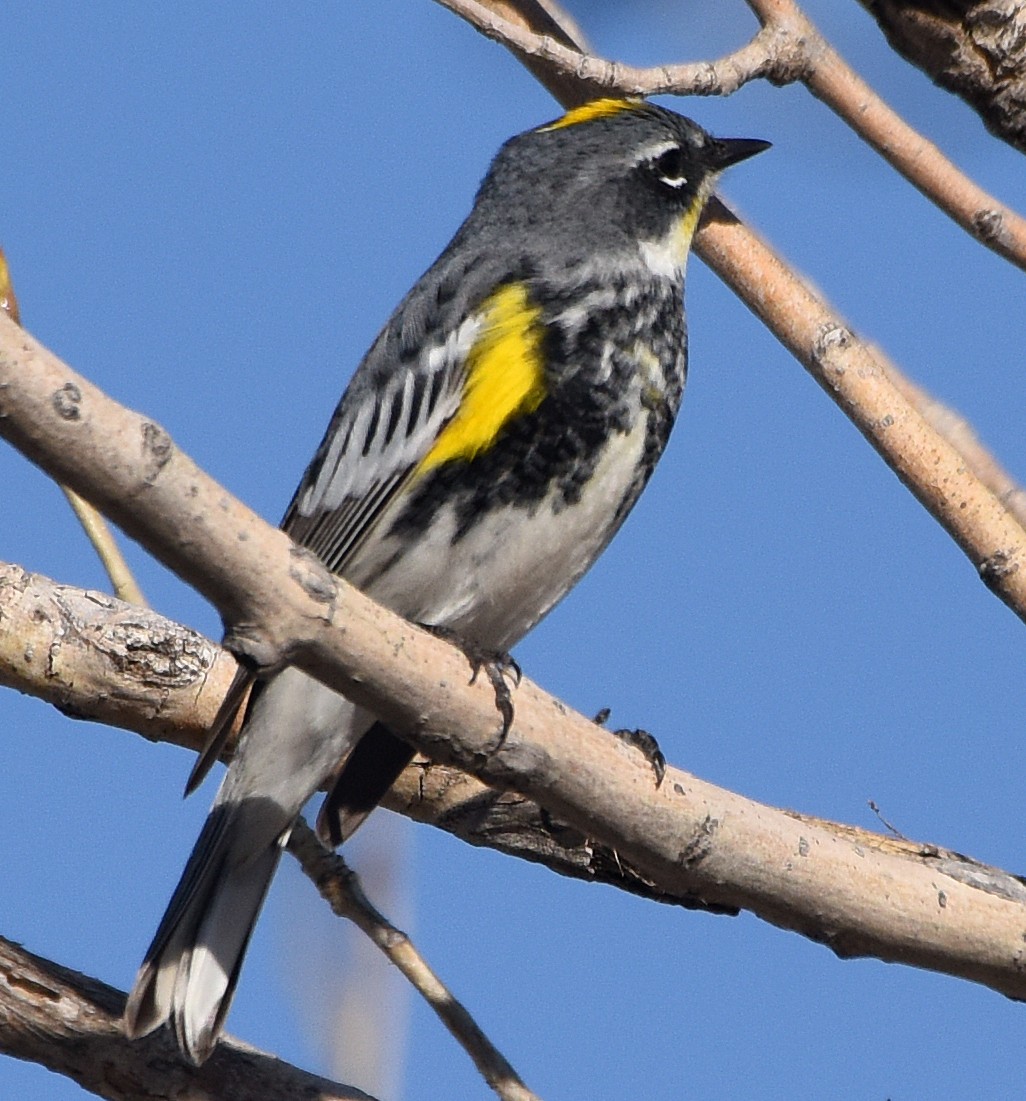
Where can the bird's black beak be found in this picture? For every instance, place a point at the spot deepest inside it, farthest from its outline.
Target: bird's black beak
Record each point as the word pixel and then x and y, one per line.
pixel 727 151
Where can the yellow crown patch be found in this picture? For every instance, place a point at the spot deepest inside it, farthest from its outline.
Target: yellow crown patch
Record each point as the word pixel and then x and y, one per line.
pixel 595 109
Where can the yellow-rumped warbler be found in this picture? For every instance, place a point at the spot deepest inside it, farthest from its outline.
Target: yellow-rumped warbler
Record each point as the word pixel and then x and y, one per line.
pixel 486 450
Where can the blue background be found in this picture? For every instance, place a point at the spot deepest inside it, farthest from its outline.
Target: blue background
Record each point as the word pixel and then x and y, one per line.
pixel 210 212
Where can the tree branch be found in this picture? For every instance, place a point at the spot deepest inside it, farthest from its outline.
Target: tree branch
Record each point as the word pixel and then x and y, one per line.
pixel 977 50
pixel 575 76
pixel 788 49
pixel 870 391
pixel 931 466
pixel 340 888
pixel 95 658
pixel 897 901
pixel 71 1024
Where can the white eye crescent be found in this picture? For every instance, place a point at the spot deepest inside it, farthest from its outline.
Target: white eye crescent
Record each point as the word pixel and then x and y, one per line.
pixel 669 167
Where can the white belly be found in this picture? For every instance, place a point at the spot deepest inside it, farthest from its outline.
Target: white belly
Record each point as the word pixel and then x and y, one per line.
pixel 495 582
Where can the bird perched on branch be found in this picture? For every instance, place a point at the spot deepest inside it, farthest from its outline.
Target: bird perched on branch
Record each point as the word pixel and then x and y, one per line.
pixel 488 447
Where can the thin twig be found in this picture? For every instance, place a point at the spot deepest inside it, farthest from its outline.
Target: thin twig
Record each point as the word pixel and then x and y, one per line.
pixel 769 54
pixel 340 887
pixel 102 538
pixel 828 76
pixel 787 49
pixel 8 299
pixel 96 527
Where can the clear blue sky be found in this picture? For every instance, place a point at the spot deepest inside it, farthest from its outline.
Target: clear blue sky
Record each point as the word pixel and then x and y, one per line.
pixel 210 211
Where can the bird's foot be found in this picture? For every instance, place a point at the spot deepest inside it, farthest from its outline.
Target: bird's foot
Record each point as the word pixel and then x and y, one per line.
pixel 649 747
pixel 640 740
pixel 500 668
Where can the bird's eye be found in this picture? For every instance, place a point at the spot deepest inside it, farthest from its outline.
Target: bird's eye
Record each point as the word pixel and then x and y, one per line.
pixel 669 168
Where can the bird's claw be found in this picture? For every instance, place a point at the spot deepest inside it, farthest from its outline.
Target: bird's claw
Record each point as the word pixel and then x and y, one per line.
pixel 649 747
pixel 500 668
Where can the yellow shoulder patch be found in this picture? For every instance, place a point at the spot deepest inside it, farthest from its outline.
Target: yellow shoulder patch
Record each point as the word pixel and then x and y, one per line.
pixel 595 109
pixel 505 377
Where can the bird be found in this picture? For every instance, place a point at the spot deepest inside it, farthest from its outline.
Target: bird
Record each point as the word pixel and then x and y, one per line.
pixel 487 448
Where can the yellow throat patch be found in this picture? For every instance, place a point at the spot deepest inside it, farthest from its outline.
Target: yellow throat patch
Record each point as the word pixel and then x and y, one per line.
pixel 505 378
pixel 595 109
pixel 668 255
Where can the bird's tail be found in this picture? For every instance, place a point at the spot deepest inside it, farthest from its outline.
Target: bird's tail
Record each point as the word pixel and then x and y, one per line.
pixel 295 735
pixel 189 974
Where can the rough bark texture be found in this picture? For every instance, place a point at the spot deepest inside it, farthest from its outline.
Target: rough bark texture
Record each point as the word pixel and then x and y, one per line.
pixel 686 842
pixel 71 1024
pixel 976 50
pixel 95 657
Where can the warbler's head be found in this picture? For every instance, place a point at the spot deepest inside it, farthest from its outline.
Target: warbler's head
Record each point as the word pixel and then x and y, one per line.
pixel 613 176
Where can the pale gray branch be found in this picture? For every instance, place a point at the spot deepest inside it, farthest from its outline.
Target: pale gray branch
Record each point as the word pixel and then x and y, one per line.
pixel 572 73
pixel 787 49
pixel 94 657
pixel 897 901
